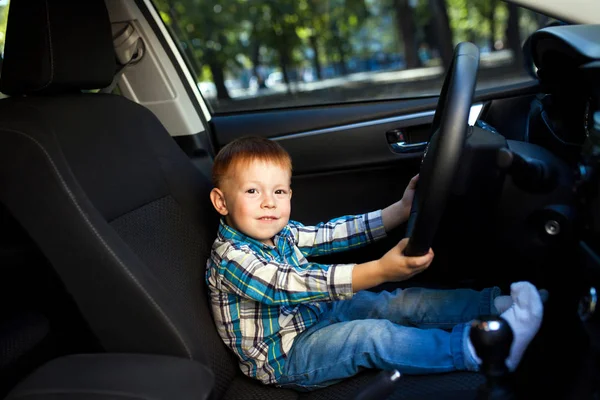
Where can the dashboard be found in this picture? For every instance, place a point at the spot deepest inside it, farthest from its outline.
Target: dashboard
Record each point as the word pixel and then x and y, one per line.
pixel 568 62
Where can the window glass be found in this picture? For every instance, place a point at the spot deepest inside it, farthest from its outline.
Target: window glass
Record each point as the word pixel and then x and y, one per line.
pixel 3 18
pixel 265 54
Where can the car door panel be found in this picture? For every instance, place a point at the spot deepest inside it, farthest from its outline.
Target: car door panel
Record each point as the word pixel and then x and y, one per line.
pixel 273 123
pixel 330 164
pixel 343 163
pixel 350 146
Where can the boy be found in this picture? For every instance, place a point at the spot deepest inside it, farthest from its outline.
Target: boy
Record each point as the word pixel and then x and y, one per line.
pixel 305 325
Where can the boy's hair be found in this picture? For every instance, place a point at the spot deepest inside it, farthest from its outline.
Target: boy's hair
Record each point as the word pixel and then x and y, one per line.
pixel 245 150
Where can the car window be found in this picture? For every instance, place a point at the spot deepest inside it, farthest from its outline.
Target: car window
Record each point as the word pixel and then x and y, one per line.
pixel 266 54
pixel 3 18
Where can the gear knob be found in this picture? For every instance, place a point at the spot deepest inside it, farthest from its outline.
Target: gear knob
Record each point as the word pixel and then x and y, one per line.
pixel 492 337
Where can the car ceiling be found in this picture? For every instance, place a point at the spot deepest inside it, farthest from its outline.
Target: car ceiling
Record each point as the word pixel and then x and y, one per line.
pixel 573 11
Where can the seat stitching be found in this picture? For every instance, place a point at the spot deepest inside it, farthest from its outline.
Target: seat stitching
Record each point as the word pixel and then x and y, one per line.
pixel 91 226
pixel 113 393
pixel 51 49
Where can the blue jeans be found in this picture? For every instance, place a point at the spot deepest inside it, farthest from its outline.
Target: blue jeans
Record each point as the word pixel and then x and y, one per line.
pixel 415 330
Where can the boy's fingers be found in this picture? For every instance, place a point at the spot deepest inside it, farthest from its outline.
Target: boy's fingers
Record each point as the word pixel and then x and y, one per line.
pixel 413 182
pixel 420 261
pixel 402 244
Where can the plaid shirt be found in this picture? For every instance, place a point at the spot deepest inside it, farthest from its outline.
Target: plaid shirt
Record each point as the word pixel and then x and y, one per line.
pixel 263 296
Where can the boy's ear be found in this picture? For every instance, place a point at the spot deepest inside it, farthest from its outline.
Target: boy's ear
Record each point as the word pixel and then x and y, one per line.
pixel 218 200
pixel 290 193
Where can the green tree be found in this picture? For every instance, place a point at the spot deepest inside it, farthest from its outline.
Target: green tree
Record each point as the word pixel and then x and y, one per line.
pixel 274 25
pixel 208 32
pixel 490 13
pixel 441 31
pixel 407 27
pixel 3 20
pixel 513 34
pixel 313 17
pixel 345 18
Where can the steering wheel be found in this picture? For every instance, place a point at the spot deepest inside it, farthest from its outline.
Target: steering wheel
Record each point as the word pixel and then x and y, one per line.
pixel 442 155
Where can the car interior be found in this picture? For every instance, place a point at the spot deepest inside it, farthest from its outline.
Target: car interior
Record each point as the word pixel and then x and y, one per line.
pixel 106 222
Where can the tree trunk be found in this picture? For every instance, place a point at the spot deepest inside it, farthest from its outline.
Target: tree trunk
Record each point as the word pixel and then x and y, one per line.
pixel 339 45
pixel 470 31
pixel 343 57
pixel 255 56
pixel 442 31
pixel 284 62
pixel 216 68
pixel 492 18
pixel 408 29
pixel 316 62
pixel 286 77
pixel 342 53
pixel 513 34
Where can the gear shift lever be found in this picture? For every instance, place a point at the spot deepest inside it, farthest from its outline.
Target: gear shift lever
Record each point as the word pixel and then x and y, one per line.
pixel 492 338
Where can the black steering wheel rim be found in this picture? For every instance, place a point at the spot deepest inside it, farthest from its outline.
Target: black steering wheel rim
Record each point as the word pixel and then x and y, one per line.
pixel 442 155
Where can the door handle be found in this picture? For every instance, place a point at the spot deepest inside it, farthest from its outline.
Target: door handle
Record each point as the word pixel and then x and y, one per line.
pixel 399 142
pixel 403 147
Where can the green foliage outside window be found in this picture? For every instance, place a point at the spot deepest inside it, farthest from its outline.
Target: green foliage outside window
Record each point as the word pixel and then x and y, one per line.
pixel 292 51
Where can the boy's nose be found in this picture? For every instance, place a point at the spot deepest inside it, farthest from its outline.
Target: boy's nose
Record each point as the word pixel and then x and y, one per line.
pixel 268 202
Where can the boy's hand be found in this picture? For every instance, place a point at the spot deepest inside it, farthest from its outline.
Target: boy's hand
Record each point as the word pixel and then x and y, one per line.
pixel 395 266
pixel 407 198
pixel 399 212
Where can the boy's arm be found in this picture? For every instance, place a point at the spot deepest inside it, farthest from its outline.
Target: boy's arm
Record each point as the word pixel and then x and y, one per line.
pixel 339 234
pixel 353 231
pixel 242 272
pixel 398 213
pixel 392 267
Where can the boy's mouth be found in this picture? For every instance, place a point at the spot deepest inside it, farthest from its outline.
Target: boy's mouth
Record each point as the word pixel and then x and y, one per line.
pixel 269 218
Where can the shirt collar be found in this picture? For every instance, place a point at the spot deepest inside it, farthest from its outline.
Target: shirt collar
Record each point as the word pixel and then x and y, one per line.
pixel 229 233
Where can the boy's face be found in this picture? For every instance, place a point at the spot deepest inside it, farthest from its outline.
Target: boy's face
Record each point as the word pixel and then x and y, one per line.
pixel 255 199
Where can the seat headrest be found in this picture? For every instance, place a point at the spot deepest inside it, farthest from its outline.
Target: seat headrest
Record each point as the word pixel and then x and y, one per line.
pixel 55 46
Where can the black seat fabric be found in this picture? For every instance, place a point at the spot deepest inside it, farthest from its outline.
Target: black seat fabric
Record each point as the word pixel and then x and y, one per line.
pixel 104 191
pixel 116 376
pixel 114 204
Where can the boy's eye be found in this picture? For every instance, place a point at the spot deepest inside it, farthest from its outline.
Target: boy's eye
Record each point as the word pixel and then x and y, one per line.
pixel 281 191
pixel 251 191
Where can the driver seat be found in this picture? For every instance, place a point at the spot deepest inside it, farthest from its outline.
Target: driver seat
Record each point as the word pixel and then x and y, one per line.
pixel 118 209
